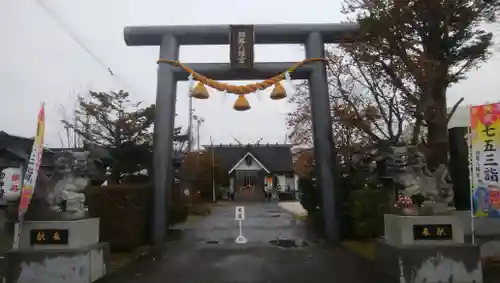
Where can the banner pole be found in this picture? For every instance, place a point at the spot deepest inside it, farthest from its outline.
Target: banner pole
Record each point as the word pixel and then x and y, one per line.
pixel 213 170
pixel 17 232
pixel 472 184
pixel 20 217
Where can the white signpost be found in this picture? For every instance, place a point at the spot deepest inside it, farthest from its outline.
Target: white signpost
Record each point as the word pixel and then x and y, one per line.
pixel 240 216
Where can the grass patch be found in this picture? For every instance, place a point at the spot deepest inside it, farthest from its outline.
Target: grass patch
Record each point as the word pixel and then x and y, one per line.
pixel 201 208
pixel 491 269
pixel 493 261
pixel 174 235
pixel 119 260
pixel 365 249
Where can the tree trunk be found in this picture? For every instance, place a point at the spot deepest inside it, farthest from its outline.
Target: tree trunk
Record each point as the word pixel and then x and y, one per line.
pixel 437 128
pixel 114 179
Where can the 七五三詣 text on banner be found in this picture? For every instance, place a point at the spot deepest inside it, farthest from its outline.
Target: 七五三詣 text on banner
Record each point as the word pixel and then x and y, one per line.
pixel 485 145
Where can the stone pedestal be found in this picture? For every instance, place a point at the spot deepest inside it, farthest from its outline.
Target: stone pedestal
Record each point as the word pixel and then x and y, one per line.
pixel 401 230
pixel 57 251
pixel 81 233
pixel 427 249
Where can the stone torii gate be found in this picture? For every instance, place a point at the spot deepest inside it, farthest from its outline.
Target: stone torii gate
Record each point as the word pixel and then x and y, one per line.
pixel 170 38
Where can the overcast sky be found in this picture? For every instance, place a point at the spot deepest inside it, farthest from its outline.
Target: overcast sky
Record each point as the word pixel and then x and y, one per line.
pixel 39 61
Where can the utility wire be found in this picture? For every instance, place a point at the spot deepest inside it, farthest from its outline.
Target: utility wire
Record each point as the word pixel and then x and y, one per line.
pixel 60 22
pixel 71 34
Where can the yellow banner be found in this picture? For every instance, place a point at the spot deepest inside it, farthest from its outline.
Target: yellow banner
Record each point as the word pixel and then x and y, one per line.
pixel 30 176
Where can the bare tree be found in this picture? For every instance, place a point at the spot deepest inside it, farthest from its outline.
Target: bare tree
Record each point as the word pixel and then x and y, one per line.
pixel 364 108
pixel 70 138
pixel 299 123
pixel 362 98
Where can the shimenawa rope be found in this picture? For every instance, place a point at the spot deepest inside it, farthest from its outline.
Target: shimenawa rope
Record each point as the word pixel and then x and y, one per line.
pixel 240 89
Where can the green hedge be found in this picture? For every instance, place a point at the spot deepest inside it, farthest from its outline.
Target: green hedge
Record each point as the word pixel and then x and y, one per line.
pixel 177 214
pixel 366 213
pixel 124 213
pixel 361 206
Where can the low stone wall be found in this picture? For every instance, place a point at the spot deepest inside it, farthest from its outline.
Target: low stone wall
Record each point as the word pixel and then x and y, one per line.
pixel 82 265
pixel 484 226
pixel 430 264
pixel 487 233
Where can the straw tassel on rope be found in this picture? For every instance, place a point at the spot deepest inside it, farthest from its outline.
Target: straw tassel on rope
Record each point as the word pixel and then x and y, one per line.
pixel 241 104
pixel 200 92
pixel 278 92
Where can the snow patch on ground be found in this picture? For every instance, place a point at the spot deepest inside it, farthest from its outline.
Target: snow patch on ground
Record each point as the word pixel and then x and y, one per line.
pixel 293 207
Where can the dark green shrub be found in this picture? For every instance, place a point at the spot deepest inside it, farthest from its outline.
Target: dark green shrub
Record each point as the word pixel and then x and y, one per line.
pixel 177 213
pixel 361 204
pixel 287 196
pixel 316 222
pixel 123 213
pixel 310 199
pixel 310 195
pixel 366 211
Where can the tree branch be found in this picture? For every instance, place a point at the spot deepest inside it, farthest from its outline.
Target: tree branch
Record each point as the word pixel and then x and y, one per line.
pixel 453 110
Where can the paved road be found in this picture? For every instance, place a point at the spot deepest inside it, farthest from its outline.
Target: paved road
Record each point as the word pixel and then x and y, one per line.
pixel 207 253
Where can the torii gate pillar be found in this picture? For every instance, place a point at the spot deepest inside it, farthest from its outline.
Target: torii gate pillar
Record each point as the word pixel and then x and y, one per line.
pixel 169 38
